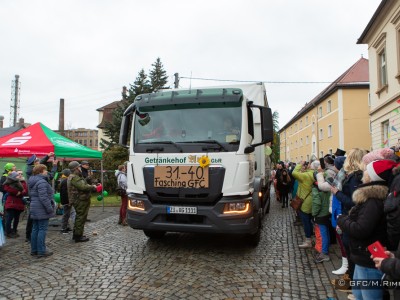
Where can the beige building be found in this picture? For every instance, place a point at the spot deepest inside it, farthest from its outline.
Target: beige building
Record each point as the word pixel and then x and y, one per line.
pixel 382 35
pixel 85 137
pixel 337 118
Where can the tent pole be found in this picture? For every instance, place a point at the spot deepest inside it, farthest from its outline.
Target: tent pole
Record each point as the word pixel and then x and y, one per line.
pixel 102 181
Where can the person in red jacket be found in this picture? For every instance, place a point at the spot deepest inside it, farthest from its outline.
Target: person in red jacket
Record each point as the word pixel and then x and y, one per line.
pixel 16 188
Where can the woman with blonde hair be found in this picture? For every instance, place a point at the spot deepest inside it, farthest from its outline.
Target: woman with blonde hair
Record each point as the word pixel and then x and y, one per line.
pixel 354 168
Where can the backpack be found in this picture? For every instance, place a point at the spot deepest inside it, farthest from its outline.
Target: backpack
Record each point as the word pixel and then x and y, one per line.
pixel 120 191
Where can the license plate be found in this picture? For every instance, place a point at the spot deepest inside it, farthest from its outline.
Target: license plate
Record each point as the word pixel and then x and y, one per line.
pixel 186 210
pixel 181 177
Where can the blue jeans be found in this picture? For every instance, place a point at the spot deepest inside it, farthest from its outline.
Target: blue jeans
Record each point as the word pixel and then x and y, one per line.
pixel 38 237
pixel 363 273
pixel 307 224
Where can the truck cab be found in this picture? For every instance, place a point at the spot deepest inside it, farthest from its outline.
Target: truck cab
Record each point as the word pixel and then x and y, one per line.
pixel 196 160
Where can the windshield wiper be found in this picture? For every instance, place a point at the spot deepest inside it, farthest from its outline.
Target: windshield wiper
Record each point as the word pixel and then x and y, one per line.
pixel 221 146
pixel 163 142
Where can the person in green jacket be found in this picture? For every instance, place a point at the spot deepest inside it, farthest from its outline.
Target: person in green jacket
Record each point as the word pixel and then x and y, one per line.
pixel 305 177
pixel 79 192
pixel 320 212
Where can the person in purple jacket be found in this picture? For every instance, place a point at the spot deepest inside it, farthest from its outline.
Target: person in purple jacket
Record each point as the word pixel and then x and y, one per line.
pixel 42 208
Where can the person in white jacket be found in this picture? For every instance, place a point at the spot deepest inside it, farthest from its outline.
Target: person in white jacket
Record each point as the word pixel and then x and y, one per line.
pixel 122 185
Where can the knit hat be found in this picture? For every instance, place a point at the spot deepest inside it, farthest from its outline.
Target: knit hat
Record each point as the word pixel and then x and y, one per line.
pixel 379 154
pixel 13 175
pixel 66 172
pixel 31 160
pixel 339 161
pixel 8 166
pixel 73 165
pixel 84 162
pixel 381 170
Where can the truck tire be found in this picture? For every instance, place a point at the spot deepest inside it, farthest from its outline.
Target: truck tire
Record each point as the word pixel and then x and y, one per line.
pixel 254 239
pixel 154 234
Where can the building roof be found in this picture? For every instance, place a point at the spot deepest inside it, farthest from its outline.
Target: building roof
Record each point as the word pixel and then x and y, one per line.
pixel 356 76
pixel 9 130
pixel 108 112
pixel 372 21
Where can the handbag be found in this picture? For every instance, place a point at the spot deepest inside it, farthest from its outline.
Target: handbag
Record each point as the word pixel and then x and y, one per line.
pixel 297 202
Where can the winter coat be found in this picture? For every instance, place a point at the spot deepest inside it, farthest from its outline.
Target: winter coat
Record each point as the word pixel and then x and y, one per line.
pixel 350 184
pixel 15 190
pixel 320 206
pixel 391 267
pixel 122 180
pixel 78 188
pixel 323 178
pixel 64 191
pixel 306 181
pixel 366 222
pixel 392 212
pixel 336 210
pixel 41 196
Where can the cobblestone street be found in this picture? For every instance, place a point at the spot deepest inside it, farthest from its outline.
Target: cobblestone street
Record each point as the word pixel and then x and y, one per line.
pixel 121 263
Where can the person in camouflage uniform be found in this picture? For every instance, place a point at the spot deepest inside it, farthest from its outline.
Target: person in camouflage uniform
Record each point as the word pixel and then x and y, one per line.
pixel 79 192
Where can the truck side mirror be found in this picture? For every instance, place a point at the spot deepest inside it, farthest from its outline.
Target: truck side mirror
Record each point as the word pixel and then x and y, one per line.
pixel 126 121
pixel 267 126
pixel 249 149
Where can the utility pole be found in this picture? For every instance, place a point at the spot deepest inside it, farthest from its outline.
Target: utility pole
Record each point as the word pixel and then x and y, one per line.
pixel 14 105
pixel 176 82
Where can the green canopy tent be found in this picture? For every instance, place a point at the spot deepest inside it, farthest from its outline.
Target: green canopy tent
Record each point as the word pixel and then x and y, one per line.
pixel 40 140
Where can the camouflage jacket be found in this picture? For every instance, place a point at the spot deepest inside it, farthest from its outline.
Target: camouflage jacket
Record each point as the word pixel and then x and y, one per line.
pixel 78 189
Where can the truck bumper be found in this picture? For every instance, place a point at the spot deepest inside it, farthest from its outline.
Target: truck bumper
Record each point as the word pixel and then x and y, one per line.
pixel 209 219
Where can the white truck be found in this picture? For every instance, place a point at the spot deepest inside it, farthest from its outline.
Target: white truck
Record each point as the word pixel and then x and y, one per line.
pixel 197 162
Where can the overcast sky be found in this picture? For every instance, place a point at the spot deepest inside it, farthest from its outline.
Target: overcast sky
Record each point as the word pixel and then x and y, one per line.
pixel 85 51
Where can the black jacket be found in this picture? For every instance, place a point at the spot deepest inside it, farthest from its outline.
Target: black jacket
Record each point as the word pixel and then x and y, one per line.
pixel 64 191
pixel 350 184
pixel 392 212
pixel 366 222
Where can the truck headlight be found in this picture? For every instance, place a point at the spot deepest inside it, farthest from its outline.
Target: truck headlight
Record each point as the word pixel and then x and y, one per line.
pixel 136 204
pixel 236 208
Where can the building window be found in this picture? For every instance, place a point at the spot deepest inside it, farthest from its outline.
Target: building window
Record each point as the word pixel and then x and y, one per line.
pixel 382 68
pixel 330 151
pixel 329 130
pixel 313 126
pixel 385 134
pixel 301 124
pixel 301 142
pixel 313 147
pixel 322 154
pixel 321 134
pixel 329 106
pixel 306 120
pixel 320 112
pixel 308 157
pixel 307 141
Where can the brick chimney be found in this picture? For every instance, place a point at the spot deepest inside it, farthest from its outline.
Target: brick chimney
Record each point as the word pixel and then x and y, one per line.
pixel 61 116
pixel 21 122
pixel 124 93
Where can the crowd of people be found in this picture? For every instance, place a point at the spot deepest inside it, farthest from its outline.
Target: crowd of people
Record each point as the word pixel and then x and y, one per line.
pixel 352 200
pixel 37 193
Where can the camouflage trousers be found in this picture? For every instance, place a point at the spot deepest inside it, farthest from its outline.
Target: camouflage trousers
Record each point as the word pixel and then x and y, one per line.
pixel 82 210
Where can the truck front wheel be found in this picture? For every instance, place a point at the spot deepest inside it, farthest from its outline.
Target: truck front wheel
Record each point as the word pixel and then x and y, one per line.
pixel 154 234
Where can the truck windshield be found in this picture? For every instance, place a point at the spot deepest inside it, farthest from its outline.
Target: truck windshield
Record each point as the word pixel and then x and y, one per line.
pixel 222 125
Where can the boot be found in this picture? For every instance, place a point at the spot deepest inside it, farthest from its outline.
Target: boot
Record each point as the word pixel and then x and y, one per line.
pixel 81 239
pixel 343 268
pixel 306 244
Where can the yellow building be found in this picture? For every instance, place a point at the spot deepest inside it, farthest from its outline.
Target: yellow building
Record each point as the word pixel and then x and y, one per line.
pixel 382 35
pixel 337 118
